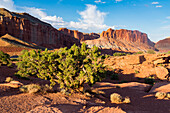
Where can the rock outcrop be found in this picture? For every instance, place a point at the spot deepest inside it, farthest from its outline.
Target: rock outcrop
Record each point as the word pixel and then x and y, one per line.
pixel 122 40
pixel 79 35
pixel 32 30
pixel 163 45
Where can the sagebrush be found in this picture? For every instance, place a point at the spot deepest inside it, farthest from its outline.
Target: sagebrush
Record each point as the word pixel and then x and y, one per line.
pixel 71 68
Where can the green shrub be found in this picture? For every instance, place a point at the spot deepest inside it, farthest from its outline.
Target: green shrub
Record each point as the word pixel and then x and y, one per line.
pixel 30 88
pixel 136 71
pixel 5 59
pixel 119 54
pixel 71 68
pixel 168 52
pixel 149 80
pixel 35 88
pixel 78 66
pixel 139 52
pixel 150 51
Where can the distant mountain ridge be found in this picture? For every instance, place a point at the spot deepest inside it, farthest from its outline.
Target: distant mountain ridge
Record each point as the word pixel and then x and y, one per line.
pixel 34 31
pixel 122 40
pixel 163 45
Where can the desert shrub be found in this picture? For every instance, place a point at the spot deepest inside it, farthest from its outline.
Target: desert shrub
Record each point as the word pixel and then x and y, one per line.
pixel 30 88
pixel 36 63
pixel 149 80
pixel 150 51
pixel 136 71
pixel 168 52
pixel 9 79
pixel 5 59
pixel 71 68
pixel 139 52
pixel 119 54
pixel 35 88
pixel 116 98
pixel 78 66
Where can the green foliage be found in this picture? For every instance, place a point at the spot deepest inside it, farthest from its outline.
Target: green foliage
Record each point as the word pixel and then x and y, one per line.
pixel 35 88
pixel 119 54
pixel 168 52
pixel 150 51
pixel 139 52
pixel 136 71
pixel 78 66
pixel 149 80
pixel 36 63
pixel 71 68
pixel 5 59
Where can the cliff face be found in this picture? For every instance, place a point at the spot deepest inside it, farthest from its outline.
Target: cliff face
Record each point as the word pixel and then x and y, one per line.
pixel 31 29
pixel 123 40
pixel 79 35
pixel 163 45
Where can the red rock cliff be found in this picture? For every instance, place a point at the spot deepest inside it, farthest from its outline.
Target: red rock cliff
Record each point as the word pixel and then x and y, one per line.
pixel 122 40
pixel 79 35
pixel 163 45
pixel 31 29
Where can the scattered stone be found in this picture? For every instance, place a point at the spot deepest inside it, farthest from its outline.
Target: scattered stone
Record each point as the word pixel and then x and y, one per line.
pixel 13 84
pixel 45 109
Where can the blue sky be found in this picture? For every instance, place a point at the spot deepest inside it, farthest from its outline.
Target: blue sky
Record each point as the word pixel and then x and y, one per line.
pixel 148 16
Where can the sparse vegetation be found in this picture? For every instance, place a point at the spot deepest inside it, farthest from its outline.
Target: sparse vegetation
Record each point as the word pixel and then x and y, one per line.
pixel 119 54
pixel 35 88
pixel 136 71
pixel 139 52
pixel 150 51
pixel 5 59
pixel 149 80
pixel 9 79
pixel 71 68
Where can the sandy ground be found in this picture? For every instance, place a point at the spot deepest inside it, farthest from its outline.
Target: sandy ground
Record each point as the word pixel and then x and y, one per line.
pixel 12 101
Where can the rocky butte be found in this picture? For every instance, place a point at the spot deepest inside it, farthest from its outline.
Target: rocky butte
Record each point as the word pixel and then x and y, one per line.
pixel 30 29
pixel 163 45
pixel 122 40
pixel 34 31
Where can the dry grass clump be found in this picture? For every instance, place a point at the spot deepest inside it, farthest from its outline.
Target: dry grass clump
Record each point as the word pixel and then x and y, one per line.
pixel 162 95
pixel 35 88
pixel 9 79
pixel 118 99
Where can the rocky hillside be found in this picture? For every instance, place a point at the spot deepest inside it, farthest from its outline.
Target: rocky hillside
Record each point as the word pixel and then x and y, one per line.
pixel 122 40
pixel 32 30
pixel 163 45
pixel 79 35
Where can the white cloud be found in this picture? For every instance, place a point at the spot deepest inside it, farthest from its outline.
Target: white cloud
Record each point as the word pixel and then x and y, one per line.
pixel 158 6
pixel 155 2
pixel 99 1
pixel 118 0
pixel 168 17
pixel 91 19
pixel 8 4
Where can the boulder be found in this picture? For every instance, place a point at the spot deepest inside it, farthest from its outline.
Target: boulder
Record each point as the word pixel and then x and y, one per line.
pixel 160 87
pixel 161 72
